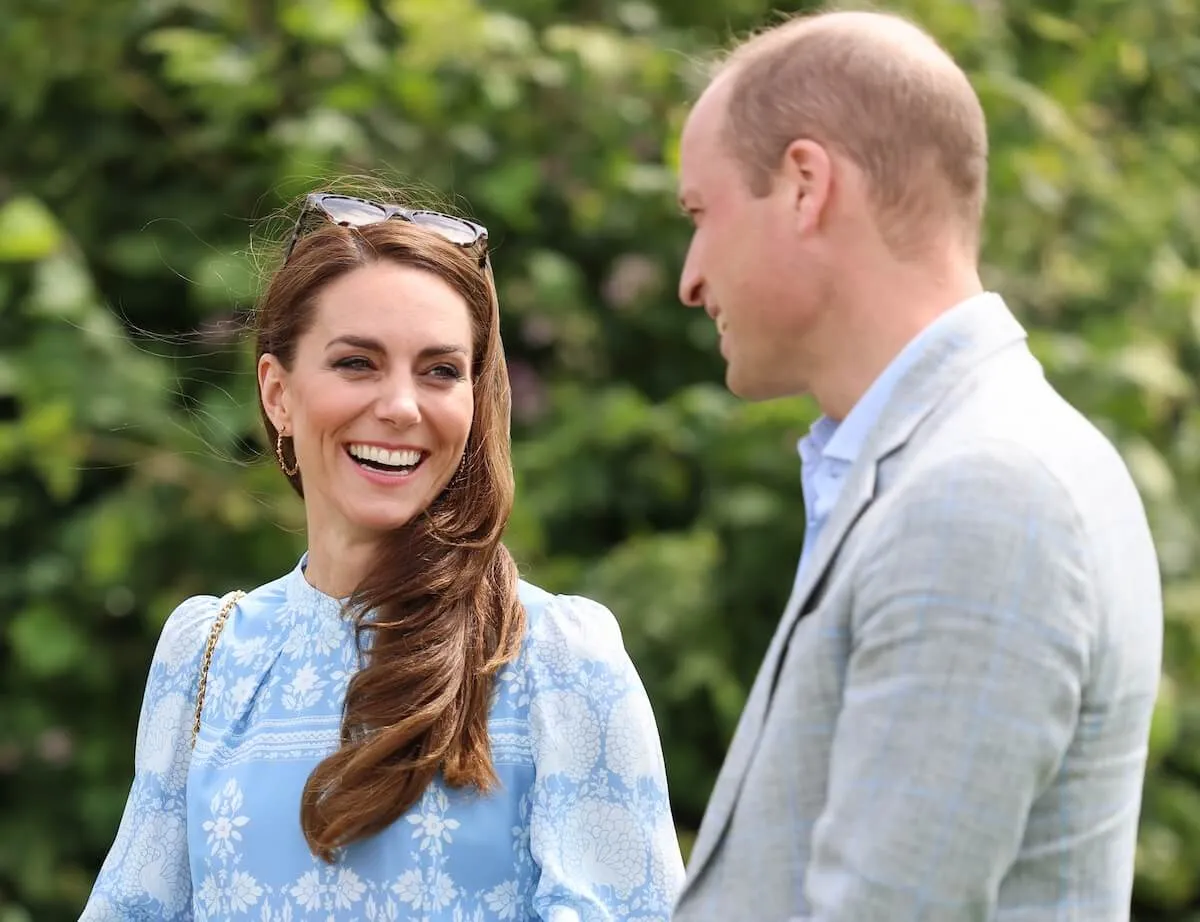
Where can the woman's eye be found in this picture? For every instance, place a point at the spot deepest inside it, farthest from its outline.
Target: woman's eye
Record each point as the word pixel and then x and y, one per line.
pixel 449 372
pixel 354 363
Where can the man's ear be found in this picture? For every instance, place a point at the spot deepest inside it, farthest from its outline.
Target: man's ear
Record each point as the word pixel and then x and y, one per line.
pixel 806 174
pixel 273 389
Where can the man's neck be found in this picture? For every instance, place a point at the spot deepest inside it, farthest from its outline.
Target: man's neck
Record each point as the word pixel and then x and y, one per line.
pixel 877 327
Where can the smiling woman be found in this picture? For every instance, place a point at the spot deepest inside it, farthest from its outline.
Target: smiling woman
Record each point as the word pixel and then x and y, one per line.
pixel 399 727
pixel 376 398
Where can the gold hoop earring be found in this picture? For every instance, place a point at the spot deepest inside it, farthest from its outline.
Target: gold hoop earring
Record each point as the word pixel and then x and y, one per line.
pixel 295 468
pixel 460 475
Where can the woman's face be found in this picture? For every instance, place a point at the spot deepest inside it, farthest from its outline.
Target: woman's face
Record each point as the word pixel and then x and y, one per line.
pixel 379 399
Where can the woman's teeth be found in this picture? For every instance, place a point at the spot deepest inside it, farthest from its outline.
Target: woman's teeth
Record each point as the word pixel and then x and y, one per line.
pixel 385 457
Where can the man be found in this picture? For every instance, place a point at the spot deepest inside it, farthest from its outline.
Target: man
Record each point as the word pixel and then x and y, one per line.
pixel 951 720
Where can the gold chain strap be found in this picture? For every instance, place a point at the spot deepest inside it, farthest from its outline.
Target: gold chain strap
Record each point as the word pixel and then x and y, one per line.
pixel 227 604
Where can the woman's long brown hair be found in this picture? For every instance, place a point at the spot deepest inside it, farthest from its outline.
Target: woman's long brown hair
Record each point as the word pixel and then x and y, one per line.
pixel 438 614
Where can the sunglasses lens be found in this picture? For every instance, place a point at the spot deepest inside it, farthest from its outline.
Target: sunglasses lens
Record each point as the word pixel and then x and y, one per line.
pixel 354 212
pixel 451 228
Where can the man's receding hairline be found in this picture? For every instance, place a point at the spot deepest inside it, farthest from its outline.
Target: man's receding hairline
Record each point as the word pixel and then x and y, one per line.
pixel 873 28
pixel 901 54
pixel 886 31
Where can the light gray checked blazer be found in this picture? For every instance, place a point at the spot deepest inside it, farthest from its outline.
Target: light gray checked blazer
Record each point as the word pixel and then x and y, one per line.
pixel 951 722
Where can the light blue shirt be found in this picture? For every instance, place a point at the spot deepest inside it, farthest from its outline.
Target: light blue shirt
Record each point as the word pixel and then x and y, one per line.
pixel 830 449
pixel 579 827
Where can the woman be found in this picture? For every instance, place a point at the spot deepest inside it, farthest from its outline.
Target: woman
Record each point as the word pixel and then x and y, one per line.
pixel 399 728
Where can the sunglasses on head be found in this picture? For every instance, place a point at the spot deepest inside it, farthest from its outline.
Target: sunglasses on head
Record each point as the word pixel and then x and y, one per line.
pixel 348 211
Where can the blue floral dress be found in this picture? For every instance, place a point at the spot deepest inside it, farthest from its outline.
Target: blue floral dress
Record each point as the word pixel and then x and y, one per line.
pixel 579 828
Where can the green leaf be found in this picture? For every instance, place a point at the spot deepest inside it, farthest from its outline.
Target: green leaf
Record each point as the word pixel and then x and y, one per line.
pixel 46 644
pixel 52 445
pixel 28 231
pixel 198 58
pixel 323 20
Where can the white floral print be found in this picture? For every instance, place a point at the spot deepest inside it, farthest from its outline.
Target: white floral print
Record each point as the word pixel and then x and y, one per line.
pixel 433 828
pixel 503 901
pixel 304 690
pixel 224 828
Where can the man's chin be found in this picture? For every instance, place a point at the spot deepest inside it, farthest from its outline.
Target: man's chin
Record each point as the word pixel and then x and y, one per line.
pixel 751 385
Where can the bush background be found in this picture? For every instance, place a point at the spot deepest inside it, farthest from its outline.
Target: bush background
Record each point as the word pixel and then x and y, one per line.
pixel 142 142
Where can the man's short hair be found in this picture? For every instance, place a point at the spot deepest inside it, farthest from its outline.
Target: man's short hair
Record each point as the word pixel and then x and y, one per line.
pixel 878 90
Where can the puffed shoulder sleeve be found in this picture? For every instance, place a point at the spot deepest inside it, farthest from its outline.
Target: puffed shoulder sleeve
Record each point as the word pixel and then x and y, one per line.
pixel 600 827
pixel 146 874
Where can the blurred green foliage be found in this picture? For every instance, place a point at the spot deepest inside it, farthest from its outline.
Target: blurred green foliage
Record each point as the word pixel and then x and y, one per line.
pixel 144 139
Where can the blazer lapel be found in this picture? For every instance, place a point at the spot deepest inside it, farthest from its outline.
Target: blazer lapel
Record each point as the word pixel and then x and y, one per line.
pixel 970 335
pixel 858 493
pixel 974 332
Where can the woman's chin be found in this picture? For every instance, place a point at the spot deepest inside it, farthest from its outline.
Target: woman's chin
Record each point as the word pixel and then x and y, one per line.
pixel 378 519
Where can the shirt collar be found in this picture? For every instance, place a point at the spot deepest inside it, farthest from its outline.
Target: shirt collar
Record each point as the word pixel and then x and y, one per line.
pixel 844 441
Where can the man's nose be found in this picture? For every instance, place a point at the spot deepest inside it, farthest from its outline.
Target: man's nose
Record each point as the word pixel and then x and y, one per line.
pixel 691 282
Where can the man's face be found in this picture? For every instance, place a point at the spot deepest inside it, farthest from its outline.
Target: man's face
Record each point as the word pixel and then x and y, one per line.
pixel 751 263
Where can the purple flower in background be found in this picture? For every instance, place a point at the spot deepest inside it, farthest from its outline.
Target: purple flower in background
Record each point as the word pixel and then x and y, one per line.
pixel 528 391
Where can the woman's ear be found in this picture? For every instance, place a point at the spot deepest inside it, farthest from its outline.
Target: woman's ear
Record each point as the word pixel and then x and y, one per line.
pixel 273 390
